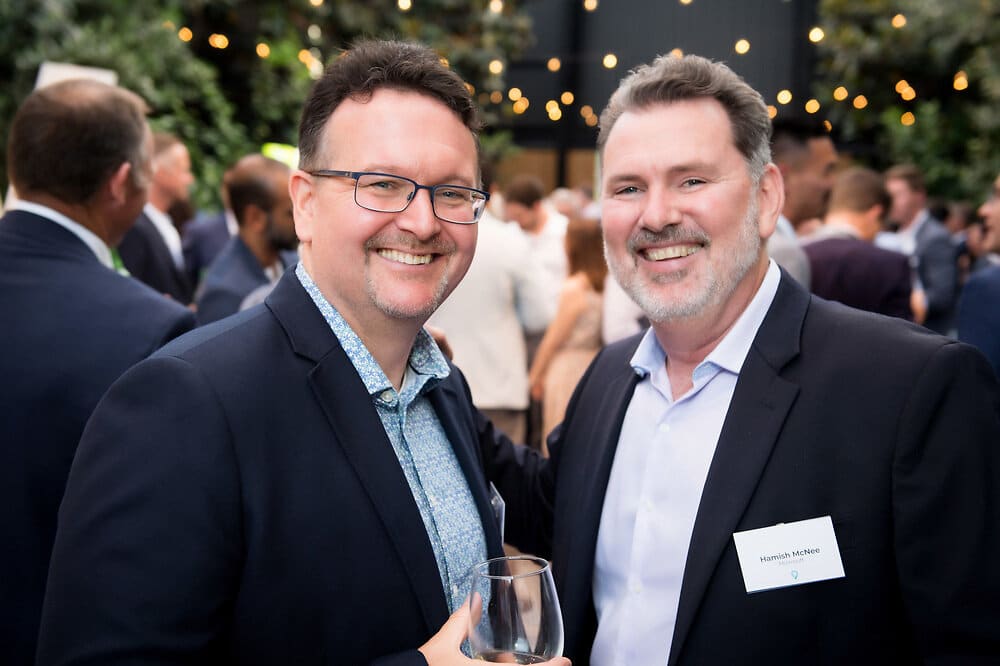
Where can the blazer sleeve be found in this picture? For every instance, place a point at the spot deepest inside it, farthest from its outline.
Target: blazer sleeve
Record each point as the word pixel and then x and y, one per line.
pixel 946 507
pixel 148 558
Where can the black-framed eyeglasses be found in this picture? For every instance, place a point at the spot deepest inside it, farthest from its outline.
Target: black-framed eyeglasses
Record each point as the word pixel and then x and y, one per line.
pixel 388 193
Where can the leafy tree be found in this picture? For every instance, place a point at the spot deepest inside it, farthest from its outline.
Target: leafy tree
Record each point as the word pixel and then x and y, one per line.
pixel 955 133
pixel 225 102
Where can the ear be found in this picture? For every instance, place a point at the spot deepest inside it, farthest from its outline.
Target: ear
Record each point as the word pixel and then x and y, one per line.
pixel 119 185
pixel 302 190
pixel 770 200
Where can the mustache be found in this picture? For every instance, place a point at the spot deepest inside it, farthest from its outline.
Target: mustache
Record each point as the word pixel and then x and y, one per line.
pixel 408 243
pixel 669 234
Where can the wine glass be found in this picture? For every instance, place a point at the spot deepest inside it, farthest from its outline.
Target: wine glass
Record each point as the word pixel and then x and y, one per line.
pixel 515 616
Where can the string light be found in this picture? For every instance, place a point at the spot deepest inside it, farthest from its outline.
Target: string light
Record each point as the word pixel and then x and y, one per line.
pixel 828 125
pixel 316 3
pixel 591 121
pixel 784 96
pixel 590 5
pixel 185 34
pixel 907 119
pixel 812 106
pixel 860 102
pixel 686 2
pixel 496 67
pixel 586 110
pixel 961 81
pixel 514 94
pixel 901 85
pixel 816 35
pixel 314 32
pixel 551 105
pixel 840 93
pixel 610 61
pixel 404 5
pixel 554 64
pixel 521 105
pixel 496 6
pixel 263 50
pixel 555 114
pixel 772 110
pixel 898 21
pixel 908 94
pixel 677 53
pixel 496 96
pixel 218 41
pixel 567 98
pixel 742 47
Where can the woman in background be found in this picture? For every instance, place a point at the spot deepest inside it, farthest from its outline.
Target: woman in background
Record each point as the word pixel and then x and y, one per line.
pixel 574 336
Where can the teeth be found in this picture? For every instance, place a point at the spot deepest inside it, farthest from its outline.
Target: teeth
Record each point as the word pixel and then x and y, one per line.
pixel 672 252
pixel 405 258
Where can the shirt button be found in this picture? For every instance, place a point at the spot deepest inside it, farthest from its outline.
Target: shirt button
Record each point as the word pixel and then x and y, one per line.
pixel 386 395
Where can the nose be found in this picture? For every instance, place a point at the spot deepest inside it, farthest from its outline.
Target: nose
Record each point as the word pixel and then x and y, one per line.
pixel 418 218
pixel 660 209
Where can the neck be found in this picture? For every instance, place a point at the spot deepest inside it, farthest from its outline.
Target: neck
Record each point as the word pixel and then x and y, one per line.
pixel 688 341
pixel 158 200
pixel 850 220
pixel 389 340
pixel 83 214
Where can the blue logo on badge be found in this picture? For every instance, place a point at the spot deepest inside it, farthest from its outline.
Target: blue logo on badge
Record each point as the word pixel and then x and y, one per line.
pixel 795 574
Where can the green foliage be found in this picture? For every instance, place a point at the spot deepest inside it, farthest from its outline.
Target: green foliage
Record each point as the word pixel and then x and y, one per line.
pixel 955 138
pixel 226 102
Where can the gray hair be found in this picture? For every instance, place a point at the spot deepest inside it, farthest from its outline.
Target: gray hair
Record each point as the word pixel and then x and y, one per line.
pixel 672 79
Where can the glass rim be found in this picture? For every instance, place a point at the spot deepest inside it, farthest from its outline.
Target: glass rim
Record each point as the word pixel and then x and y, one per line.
pixel 543 565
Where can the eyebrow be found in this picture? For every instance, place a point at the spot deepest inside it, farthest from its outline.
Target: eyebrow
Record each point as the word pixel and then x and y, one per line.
pixel 675 170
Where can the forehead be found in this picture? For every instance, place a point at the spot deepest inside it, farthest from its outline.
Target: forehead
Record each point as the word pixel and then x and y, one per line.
pixel 399 129
pixel 671 133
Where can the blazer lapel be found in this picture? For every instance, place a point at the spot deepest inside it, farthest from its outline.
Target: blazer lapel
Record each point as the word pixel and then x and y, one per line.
pixel 357 430
pixel 756 415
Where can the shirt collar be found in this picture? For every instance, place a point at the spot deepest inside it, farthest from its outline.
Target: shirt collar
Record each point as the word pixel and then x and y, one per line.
pixel 425 368
pixel 89 238
pixel 732 350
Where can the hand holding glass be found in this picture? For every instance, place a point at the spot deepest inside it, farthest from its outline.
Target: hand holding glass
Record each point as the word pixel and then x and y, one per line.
pixel 515 616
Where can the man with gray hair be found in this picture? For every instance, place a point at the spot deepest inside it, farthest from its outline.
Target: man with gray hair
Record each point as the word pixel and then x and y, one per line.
pixel 763 476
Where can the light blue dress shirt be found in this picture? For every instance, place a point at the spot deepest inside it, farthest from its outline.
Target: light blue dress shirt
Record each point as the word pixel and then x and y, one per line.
pixel 436 480
pixel 664 452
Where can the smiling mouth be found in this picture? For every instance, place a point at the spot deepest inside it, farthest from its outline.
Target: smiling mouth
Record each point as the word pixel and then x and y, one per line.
pixel 671 252
pixel 406 257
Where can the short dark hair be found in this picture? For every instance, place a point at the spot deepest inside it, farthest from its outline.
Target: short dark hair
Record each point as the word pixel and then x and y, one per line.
pixel 857 189
pixel 373 64
pixel 525 190
pixel 911 174
pixel 671 79
pixel 68 138
pixel 249 182
pixel 790 137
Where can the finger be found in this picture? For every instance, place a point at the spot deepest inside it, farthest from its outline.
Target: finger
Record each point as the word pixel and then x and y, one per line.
pixel 456 628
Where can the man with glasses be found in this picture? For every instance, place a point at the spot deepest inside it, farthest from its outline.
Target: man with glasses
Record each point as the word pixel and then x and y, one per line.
pixel 300 483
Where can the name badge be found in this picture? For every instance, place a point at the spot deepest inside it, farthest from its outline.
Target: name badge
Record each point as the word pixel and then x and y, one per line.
pixel 789 554
pixel 499 508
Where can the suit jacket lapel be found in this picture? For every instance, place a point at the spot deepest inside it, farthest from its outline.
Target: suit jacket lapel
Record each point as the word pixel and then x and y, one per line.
pixel 357 429
pixel 596 424
pixel 756 415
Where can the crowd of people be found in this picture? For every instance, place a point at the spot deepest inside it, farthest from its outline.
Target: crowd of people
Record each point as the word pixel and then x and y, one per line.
pixel 727 395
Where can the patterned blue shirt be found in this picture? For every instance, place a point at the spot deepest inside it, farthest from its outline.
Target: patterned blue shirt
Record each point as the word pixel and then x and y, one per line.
pixel 436 480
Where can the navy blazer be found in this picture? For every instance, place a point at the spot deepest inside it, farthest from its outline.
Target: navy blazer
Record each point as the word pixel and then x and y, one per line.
pixel 71 327
pixel 936 258
pixel 202 240
pixel 887 428
pixel 979 314
pixel 857 273
pixel 231 277
pixel 147 257
pixel 235 500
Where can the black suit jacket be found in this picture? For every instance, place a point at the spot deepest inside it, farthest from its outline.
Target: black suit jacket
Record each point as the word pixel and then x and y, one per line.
pixel 236 500
pixel 147 258
pixel 936 259
pixel 887 428
pixel 71 327
pixel 979 314
pixel 202 240
pixel 231 277
pixel 856 273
